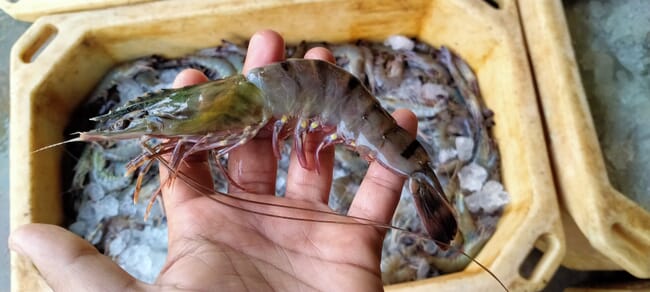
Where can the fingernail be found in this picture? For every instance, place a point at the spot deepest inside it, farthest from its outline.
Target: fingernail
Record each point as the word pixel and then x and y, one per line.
pixel 257 37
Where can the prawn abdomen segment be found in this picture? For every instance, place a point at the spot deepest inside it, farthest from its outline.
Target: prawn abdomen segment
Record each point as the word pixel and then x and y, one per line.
pixel 311 95
pixel 305 89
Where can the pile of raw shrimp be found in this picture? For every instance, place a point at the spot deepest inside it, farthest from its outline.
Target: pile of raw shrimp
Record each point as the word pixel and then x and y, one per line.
pixel 401 72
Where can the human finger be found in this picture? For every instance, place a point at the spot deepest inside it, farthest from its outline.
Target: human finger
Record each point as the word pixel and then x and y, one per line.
pixel 380 189
pixel 265 47
pixel 67 262
pixel 252 165
pixel 195 167
pixel 310 184
pixel 320 53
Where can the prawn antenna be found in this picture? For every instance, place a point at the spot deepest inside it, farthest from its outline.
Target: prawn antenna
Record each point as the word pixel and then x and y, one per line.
pixel 78 139
pixel 364 221
pixel 477 263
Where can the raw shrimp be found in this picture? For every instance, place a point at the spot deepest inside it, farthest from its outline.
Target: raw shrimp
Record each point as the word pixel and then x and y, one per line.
pixel 302 96
pixel 434 95
pixel 106 176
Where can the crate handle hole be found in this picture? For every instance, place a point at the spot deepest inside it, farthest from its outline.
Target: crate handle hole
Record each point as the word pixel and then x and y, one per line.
pixel 44 38
pixel 539 259
pixel 493 3
pixel 13 1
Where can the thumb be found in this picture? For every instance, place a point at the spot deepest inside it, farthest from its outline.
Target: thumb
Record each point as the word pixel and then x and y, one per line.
pixel 67 262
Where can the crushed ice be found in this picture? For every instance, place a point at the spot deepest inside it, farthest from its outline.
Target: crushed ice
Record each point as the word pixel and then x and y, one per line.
pixel 490 198
pixel 472 176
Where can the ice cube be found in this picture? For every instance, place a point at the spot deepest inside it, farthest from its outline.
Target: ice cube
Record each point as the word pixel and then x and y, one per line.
pixel 127 207
pixel 129 89
pixel 87 212
pixel 158 259
pixel 490 198
pixel 492 186
pixel 464 147
pixel 472 176
pixel 155 236
pixel 167 77
pixel 107 207
pixel 78 228
pixel 399 42
pixel 446 154
pixel 116 246
pixel 136 261
pixel 94 191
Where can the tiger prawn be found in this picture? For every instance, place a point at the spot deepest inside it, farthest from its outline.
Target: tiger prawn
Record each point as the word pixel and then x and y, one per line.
pixel 296 96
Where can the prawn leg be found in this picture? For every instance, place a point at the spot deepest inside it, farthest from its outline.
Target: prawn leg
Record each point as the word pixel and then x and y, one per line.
pixel 300 133
pixel 277 130
pixel 138 184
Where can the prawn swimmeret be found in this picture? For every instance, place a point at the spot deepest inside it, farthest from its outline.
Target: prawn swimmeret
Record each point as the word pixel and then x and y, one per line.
pixel 298 96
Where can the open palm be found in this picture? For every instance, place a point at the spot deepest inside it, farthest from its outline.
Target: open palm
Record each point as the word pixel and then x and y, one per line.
pixel 213 246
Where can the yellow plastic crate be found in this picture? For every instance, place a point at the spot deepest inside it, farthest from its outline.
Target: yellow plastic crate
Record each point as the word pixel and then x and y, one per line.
pixel 604 229
pixel 84 45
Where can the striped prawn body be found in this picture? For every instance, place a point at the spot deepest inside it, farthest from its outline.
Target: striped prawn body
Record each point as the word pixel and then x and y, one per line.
pixel 299 96
pixel 336 99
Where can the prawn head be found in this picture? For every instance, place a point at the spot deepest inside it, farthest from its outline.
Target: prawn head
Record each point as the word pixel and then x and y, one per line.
pixel 211 108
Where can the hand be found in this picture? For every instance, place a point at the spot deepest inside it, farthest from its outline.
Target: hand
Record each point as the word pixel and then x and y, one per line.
pixel 216 247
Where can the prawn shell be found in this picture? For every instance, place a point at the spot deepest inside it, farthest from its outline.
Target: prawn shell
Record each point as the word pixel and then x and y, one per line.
pixel 222 106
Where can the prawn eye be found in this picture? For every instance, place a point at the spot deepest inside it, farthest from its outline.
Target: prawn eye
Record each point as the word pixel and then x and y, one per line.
pixel 121 125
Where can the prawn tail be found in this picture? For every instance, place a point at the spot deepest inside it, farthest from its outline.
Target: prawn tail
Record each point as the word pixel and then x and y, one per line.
pixel 438 216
